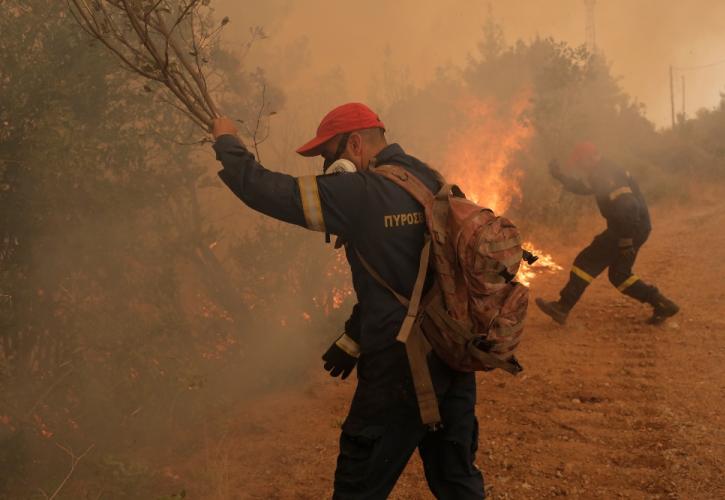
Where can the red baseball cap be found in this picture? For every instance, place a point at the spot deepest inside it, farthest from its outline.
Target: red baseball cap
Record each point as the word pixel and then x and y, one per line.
pixel 346 118
pixel 585 153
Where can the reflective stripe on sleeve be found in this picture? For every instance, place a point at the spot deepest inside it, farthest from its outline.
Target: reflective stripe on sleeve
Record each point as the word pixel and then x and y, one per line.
pixel 311 202
pixel 619 192
pixel 348 345
pixel 582 274
pixel 628 282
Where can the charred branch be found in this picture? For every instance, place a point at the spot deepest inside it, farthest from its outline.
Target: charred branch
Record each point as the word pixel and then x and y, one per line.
pixel 159 40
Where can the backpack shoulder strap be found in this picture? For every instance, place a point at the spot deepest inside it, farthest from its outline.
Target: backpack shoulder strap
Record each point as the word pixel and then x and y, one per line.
pixel 413 304
pixel 416 345
pixel 409 182
pixel 435 204
pixel 376 276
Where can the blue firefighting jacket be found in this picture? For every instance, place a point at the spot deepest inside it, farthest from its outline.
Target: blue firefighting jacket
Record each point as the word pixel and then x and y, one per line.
pixel 372 214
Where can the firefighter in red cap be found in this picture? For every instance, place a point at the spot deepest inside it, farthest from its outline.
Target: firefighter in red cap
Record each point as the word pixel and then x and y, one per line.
pixel 621 203
pixel 386 226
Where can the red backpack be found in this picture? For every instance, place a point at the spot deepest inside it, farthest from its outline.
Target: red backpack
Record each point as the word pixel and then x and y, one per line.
pixel 473 317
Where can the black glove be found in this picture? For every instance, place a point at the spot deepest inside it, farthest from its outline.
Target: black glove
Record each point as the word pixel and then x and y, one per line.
pixel 516 363
pixel 341 357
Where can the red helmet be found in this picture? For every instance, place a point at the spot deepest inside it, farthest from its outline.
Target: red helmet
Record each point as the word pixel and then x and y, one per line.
pixel 584 154
pixel 345 118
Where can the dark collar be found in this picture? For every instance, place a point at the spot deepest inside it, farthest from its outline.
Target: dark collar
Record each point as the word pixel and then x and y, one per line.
pixel 392 153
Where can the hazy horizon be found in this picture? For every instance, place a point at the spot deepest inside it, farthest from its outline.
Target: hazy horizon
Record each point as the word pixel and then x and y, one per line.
pixel 640 39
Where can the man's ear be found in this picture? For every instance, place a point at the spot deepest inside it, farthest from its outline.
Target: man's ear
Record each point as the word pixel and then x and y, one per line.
pixel 354 144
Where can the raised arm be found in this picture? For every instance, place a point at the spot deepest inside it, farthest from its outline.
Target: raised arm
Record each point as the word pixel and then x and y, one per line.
pixel 320 203
pixel 571 184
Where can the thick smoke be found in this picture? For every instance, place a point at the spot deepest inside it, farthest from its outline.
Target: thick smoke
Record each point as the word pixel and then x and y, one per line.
pixel 642 39
pixel 141 303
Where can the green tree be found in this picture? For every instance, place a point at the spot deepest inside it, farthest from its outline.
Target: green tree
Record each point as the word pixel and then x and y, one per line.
pixel 102 235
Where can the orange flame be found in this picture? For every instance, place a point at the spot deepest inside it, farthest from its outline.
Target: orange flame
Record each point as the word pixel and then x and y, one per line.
pixel 479 161
pixel 480 151
pixel 545 263
pixel 339 285
pixel 340 293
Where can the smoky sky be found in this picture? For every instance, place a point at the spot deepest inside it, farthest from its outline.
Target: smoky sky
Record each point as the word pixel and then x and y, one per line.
pixel 641 39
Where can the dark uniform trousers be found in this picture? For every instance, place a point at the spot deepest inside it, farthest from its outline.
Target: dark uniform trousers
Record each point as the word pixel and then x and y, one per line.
pixel 602 253
pixel 383 429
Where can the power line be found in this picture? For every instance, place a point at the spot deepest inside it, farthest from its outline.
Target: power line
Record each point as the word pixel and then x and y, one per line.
pixel 682 70
pixel 703 66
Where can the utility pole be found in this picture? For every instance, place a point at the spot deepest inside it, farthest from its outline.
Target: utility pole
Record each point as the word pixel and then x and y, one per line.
pixel 591 26
pixel 684 101
pixel 672 94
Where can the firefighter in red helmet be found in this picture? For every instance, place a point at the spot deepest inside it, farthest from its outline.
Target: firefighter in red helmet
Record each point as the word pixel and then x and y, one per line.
pixel 621 203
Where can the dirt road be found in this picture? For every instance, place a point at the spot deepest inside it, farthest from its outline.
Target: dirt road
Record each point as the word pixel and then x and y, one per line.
pixel 608 407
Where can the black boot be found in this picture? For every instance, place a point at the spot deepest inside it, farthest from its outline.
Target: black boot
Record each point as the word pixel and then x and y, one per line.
pixel 663 308
pixel 555 310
